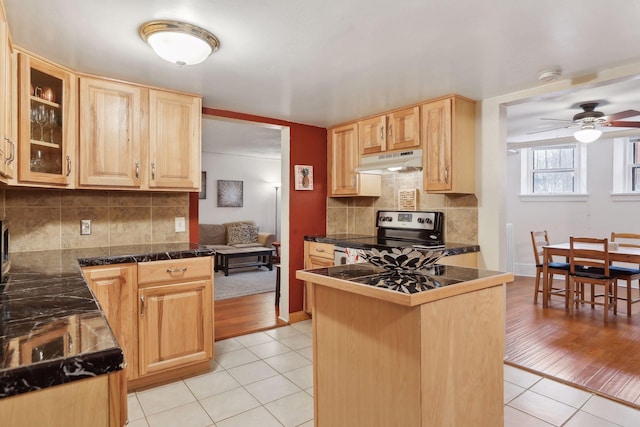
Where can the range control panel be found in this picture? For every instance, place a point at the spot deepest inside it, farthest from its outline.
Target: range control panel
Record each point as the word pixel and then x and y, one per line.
pixel 413 220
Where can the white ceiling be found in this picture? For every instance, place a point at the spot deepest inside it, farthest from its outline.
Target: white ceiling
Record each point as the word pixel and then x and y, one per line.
pixel 331 61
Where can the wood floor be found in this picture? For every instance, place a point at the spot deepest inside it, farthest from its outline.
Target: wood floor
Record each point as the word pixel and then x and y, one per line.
pixel 581 350
pixel 243 315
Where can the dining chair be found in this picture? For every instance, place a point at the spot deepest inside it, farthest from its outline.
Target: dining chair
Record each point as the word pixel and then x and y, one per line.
pixel 627 274
pixel 539 239
pixel 590 265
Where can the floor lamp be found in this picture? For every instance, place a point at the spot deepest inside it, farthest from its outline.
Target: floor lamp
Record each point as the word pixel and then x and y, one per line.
pixel 277 186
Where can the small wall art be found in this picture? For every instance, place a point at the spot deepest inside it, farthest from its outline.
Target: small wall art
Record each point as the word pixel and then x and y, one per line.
pixel 229 194
pixel 304 177
pixel 203 186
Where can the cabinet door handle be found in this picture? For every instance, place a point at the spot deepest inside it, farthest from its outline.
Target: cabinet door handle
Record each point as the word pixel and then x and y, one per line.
pixel 390 130
pixel 13 151
pixel 68 165
pixel 446 175
pixel 381 133
pixel 137 169
pixel 319 250
pixel 141 305
pixel 176 270
pixel 153 171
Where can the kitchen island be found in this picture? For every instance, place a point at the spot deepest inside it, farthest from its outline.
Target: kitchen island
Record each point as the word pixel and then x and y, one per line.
pixel 58 353
pixel 390 352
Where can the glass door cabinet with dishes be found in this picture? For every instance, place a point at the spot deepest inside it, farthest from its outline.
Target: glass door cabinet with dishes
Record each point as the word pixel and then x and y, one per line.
pixel 47 122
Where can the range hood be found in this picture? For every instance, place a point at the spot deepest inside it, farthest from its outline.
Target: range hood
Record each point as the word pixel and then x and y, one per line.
pixel 402 161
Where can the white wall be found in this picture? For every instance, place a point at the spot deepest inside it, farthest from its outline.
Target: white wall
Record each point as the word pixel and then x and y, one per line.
pixel 596 215
pixel 493 175
pixel 259 194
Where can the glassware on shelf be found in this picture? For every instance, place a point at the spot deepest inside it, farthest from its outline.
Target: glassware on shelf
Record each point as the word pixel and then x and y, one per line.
pixel 37 163
pixel 41 119
pixel 33 122
pixel 51 122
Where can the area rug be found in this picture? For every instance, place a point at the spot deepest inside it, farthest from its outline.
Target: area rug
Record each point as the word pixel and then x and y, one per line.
pixel 243 282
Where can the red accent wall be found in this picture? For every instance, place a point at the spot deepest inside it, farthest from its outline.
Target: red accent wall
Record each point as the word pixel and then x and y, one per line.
pixel 307 209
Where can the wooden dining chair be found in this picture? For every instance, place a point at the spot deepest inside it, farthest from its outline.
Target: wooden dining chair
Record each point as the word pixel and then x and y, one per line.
pixel 627 274
pixel 539 239
pixel 590 265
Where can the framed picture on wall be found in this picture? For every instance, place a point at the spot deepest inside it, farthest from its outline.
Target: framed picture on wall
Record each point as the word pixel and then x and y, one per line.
pixel 203 186
pixel 229 194
pixel 304 177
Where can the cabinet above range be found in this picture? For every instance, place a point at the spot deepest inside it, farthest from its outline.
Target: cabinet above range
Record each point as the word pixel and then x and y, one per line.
pixel 438 134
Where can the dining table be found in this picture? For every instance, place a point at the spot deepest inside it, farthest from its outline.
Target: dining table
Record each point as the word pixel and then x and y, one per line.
pixel 617 253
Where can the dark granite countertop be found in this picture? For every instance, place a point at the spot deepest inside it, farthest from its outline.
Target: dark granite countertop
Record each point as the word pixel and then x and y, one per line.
pixel 353 241
pixel 52 330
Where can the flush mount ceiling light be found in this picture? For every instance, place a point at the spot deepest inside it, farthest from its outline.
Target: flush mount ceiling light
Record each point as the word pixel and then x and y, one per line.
pixel 587 133
pixel 179 42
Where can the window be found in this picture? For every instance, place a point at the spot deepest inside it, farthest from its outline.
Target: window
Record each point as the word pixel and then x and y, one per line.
pixel 635 165
pixel 555 169
pixel 626 165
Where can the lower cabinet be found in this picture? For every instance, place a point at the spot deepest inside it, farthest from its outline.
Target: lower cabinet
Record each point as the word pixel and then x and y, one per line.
pixel 161 313
pixel 316 255
pixel 114 287
pixel 174 325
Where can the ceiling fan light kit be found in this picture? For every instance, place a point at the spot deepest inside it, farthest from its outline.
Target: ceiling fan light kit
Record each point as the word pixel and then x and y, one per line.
pixel 179 42
pixel 587 133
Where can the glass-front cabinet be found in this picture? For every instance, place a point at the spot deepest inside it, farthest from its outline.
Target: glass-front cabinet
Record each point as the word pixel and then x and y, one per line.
pixel 47 122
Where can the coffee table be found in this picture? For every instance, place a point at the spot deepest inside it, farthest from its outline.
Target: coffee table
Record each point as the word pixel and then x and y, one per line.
pixel 222 257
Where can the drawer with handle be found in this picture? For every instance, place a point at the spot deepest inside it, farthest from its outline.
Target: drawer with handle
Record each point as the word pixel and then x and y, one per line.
pixel 175 270
pixel 321 250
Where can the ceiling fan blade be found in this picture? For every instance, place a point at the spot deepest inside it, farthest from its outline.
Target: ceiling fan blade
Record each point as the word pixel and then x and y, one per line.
pixel 623 115
pixel 558 120
pixel 623 124
pixel 546 130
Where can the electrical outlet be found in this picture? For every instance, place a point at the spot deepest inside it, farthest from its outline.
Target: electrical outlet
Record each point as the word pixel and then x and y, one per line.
pixel 180 224
pixel 85 227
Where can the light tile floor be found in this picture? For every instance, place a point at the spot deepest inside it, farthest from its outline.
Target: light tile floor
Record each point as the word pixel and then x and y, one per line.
pixel 265 379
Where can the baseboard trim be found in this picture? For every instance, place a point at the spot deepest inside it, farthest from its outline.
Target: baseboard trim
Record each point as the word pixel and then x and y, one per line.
pixel 298 316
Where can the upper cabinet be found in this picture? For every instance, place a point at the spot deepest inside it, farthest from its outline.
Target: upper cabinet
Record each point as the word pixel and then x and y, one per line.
pixel 342 159
pixel 448 135
pixel 111 133
pixel 8 103
pixel 397 130
pixel 175 122
pixel 138 138
pixel 47 127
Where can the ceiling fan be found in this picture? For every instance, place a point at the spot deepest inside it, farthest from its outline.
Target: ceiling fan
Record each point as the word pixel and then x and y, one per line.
pixel 589 120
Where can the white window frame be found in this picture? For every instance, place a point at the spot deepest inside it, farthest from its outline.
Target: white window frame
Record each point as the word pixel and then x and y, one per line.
pixel 579 170
pixel 623 167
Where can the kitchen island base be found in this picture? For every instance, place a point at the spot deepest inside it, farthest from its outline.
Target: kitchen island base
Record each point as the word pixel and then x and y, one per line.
pixel 378 363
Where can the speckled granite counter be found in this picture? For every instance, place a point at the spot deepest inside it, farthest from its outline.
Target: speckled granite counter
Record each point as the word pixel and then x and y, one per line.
pixel 355 240
pixel 52 330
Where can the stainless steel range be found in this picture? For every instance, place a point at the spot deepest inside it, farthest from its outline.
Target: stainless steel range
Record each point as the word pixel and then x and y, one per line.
pixel 395 229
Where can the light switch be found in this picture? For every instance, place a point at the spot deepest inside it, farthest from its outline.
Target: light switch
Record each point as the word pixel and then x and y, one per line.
pixel 180 224
pixel 85 227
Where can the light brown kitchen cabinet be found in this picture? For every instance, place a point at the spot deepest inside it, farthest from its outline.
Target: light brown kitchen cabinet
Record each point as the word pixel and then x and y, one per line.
pixel 342 160
pixel 448 134
pixel 175 314
pixel 316 255
pixel 112 133
pixel 161 313
pixel 8 103
pixel 47 123
pixel 397 130
pixel 174 140
pixel 115 288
